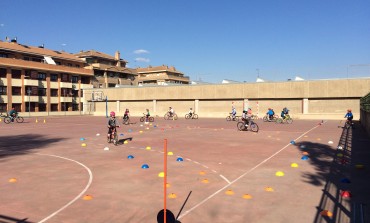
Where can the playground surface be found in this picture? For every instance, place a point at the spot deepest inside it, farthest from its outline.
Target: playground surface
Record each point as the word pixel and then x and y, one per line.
pixel 59 169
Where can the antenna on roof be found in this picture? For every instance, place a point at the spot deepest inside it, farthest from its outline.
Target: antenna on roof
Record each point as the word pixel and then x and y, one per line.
pixel 42 46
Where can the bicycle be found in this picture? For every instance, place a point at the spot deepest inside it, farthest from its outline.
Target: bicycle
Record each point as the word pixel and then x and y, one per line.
pixel 9 119
pixel 126 120
pixel 349 124
pixel 150 118
pixel 113 136
pixel 266 118
pixel 252 126
pixel 230 118
pixel 167 116
pixel 287 119
pixel 193 116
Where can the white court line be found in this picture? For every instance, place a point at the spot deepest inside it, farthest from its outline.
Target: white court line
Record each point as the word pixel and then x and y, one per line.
pixel 78 196
pixel 224 178
pixel 241 176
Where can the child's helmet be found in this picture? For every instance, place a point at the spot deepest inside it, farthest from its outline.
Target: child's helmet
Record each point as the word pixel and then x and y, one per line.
pixel 349 110
pixel 112 114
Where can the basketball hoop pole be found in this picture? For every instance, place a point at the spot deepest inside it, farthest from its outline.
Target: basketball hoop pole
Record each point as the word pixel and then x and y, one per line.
pixel 165 182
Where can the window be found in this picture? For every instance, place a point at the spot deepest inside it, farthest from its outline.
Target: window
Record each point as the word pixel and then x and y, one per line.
pixel 2 107
pixel 54 92
pixel 32 91
pixel 2 72
pixel 74 107
pixel 41 76
pixel 41 92
pixel 54 107
pixel 74 79
pixel 42 107
pixel 77 65
pixel 69 64
pixel 36 60
pixel 54 77
pixel 16 74
pixel 58 63
pixel 26 58
pixel 65 77
pixel 3 55
pixel 16 90
pixel 2 90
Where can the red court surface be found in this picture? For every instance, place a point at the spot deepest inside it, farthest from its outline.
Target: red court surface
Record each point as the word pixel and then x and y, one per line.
pixel 232 174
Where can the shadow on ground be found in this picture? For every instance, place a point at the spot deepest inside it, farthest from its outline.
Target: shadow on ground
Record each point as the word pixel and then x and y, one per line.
pixel 21 144
pixel 343 174
pixel 8 219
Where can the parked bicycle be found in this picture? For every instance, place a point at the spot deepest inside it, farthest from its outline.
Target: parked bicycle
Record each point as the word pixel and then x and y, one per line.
pixel 287 119
pixel 167 116
pixel 9 119
pixel 252 126
pixel 193 116
pixel 144 119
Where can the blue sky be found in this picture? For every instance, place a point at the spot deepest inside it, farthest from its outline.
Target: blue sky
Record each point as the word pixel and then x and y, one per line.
pixel 204 39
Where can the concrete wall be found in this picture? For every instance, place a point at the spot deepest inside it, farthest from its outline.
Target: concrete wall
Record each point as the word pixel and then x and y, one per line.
pixel 321 99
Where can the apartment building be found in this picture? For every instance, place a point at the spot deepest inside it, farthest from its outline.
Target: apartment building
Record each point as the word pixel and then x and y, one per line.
pixel 36 79
pixel 161 75
pixel 108 71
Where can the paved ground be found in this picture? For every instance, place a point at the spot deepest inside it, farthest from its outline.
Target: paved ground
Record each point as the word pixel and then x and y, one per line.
pixel 232 174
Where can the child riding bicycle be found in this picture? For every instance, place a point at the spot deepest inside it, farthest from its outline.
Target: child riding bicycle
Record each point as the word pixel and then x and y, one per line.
pixel 349 116
pixel 284 113
pixel 112 124
pixel 191 112
pixel 127 114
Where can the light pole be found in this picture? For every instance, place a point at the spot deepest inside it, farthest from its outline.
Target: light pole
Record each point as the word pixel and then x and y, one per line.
pixel 29 102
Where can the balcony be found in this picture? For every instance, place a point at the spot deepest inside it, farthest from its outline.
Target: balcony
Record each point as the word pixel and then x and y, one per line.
pixel 11 62
pixel 54 100
pixel 4 99
pixel 65 85
pixel 16 99
pixel 33 82
pixel 54 85
pixel 3 81
pixel 65 99
pixel 16 82
pixel 31 98
pixel 85 86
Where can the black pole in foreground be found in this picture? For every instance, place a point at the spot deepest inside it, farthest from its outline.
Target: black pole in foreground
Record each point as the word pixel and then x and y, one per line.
pixel 183 205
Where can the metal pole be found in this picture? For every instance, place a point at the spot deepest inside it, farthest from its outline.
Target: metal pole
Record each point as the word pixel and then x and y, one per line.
pixel 106 106
pixel 29 103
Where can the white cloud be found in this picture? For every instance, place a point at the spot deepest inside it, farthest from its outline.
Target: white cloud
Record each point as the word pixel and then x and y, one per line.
pixel 141 59
pixel 141 51
pixel 1 24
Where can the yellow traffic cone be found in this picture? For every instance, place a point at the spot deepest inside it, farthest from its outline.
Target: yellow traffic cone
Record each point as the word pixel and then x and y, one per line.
pixel 44 120
pixel 36 120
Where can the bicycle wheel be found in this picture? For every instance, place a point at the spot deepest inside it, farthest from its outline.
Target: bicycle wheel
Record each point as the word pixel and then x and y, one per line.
pixel 142 119
pixel 19 119
pixel 279 120
pixel 166 116
pixel 240 126
pixel 7 120
pixel 254 127
pixel 115 139
pixel 289 120
pixel 265 119
pixel 236 118
pixel 195 116
pixel 151 119
pixel 187 116
pixel 228 118
pixel 175 117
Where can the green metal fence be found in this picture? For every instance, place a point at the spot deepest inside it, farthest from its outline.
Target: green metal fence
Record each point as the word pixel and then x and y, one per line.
pixel 365 103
